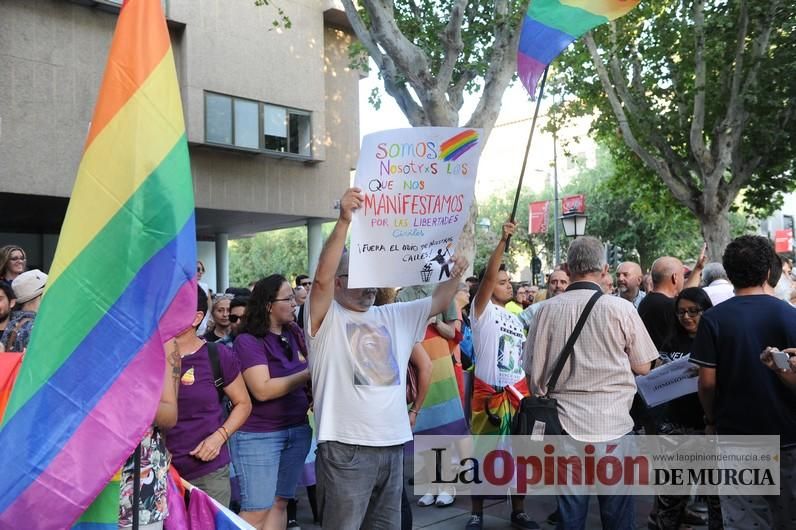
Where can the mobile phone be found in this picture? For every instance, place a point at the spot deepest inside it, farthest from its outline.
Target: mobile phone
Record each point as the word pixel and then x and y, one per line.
pixel 781 360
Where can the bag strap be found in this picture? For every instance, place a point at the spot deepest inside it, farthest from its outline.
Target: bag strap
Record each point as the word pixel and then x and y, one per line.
pixel 569 346
pixel 215 366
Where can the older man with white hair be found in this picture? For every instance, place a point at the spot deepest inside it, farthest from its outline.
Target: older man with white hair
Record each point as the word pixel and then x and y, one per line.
pixel 596 386
pixel 716 283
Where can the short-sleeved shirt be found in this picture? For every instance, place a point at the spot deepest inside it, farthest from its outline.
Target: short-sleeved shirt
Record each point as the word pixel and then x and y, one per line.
pixel 199 411
pixel 154 470
pixel 596 386
pixel 657 313
pixel 358 364
pixel 22 323
pixel 282 355
pixel 750 398
pixel 498 340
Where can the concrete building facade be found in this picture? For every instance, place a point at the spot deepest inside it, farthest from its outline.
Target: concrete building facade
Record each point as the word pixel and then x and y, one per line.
pixel 271 115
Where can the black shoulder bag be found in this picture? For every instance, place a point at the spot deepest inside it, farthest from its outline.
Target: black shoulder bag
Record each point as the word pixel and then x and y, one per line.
pixel 538 415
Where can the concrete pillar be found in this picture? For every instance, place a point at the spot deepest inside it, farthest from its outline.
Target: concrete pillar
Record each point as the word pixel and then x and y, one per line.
pixel 222 262
pixel 314 244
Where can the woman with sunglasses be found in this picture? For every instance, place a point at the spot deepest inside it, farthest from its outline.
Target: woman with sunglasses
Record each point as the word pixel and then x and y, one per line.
pixel 683 415
pixel 270 448
pixel 13 262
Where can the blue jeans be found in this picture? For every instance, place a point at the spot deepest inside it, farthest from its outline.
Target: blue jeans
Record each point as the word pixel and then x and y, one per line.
pixel 268 464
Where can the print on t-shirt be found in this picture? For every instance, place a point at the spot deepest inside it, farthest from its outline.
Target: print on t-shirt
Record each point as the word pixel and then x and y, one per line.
pixel 375 362
pixel 510 348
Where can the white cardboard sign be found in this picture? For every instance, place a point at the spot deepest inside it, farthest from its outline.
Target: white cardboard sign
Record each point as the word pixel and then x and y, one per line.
pixel 418 185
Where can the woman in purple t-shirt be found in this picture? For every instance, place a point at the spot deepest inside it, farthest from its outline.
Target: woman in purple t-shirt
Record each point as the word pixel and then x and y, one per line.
pixel 198 442
pixel 269 449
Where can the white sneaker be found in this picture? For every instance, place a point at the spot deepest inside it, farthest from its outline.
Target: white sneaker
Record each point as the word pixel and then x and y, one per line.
pixel 426 500
pixel 445 499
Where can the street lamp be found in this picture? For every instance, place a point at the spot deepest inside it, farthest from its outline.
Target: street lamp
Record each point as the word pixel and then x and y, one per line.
pixel 574 224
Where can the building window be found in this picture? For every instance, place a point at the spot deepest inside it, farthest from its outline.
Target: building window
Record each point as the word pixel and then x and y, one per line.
pixel 236 122
pixel 218 119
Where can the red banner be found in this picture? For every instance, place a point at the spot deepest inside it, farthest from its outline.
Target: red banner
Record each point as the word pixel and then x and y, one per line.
pixel 783 240
pixel 538 216
pixel 573 204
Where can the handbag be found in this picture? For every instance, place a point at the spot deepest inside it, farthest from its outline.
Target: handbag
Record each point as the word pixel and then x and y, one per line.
pixel 538 415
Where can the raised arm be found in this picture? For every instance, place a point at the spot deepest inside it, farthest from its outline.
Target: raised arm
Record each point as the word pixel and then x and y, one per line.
pixel 322 292
pixel 445 291
pixel 487 285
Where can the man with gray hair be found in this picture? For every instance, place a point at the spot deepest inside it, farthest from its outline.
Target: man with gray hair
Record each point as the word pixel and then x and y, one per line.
pixel 716 283
pixel 597 384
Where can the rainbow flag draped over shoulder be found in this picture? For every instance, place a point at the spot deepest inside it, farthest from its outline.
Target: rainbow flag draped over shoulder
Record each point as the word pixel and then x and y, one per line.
pixel 122 283
pixel 550 26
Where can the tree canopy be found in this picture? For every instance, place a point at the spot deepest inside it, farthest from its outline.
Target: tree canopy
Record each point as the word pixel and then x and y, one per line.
pixel 701 94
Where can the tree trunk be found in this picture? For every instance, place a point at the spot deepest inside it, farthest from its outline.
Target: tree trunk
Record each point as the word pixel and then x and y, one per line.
pixel 466 246
pixel 716 231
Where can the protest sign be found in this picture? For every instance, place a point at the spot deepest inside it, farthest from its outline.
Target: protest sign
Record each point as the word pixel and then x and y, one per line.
pixel 670 381
pixel 418 185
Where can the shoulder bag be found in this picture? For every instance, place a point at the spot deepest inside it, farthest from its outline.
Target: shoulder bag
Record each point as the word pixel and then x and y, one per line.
pixel 538 415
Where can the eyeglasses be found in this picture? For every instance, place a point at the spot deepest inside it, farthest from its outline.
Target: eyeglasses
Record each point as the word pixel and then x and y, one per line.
pixel 18 258
pixel 291 298
pixel 692 312
pixel 286 346
pixel 234 318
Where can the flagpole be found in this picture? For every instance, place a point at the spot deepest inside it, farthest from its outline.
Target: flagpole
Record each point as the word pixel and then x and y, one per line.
pixel 527 150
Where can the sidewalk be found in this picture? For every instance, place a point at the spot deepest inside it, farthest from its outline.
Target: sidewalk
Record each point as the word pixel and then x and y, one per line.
pixel 497 513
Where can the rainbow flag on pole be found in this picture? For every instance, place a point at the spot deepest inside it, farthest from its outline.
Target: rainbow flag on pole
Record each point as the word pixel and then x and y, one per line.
pixel 122 283
pixel 550 26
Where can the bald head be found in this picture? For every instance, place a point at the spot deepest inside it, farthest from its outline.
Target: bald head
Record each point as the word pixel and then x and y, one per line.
pixel 628 280
pixel 667 276
pixel 557 283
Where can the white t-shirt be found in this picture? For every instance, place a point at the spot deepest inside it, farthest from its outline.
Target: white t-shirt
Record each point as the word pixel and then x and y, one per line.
pixel 498 345
pixel 358 363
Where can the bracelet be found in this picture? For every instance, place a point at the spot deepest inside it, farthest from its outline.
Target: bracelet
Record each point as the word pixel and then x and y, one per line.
pixel 225 433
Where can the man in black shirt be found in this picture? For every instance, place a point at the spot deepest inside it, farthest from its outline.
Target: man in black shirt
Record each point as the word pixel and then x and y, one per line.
pixel 657 308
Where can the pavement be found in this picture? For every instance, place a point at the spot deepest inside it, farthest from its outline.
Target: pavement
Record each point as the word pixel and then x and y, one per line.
pixel 497 513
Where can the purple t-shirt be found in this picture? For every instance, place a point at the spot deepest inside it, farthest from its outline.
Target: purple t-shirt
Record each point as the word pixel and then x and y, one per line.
pixel 199 412
pixel 271 350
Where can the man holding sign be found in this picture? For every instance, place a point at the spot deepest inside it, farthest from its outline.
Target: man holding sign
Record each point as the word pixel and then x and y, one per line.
pixel 358 359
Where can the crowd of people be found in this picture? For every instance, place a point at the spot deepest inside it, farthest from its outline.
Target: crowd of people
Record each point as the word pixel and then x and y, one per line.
pixel 315 384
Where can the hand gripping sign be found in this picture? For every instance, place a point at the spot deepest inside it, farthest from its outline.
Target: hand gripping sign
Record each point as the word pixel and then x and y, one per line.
pixel 418 185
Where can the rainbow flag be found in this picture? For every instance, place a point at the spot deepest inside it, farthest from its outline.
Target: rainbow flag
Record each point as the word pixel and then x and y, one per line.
pixel 549 26
pixel 121 284
pixel 205 513
pixel 442 412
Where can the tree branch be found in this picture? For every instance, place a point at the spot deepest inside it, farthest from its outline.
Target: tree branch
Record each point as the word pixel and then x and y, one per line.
pixel 697 138
pixel 502 65
pixel 389 73
pixel 681 191
pixel 452 41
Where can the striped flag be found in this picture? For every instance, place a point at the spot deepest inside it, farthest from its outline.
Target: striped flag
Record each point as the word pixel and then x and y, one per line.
pixel 549 26
pixel 121 284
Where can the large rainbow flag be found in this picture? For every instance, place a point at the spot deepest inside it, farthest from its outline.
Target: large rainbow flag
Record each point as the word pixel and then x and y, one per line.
pixel 121 284
pixel 549 26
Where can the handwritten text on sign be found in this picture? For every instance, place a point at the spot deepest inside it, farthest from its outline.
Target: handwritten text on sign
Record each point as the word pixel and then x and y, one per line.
pixel 418 185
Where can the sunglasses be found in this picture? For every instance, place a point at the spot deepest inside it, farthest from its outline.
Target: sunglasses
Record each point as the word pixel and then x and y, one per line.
pixel 286 346
pixel 234 318
pixel 305 284
pixel 18 258
pixel 200 270
pixel 690 312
